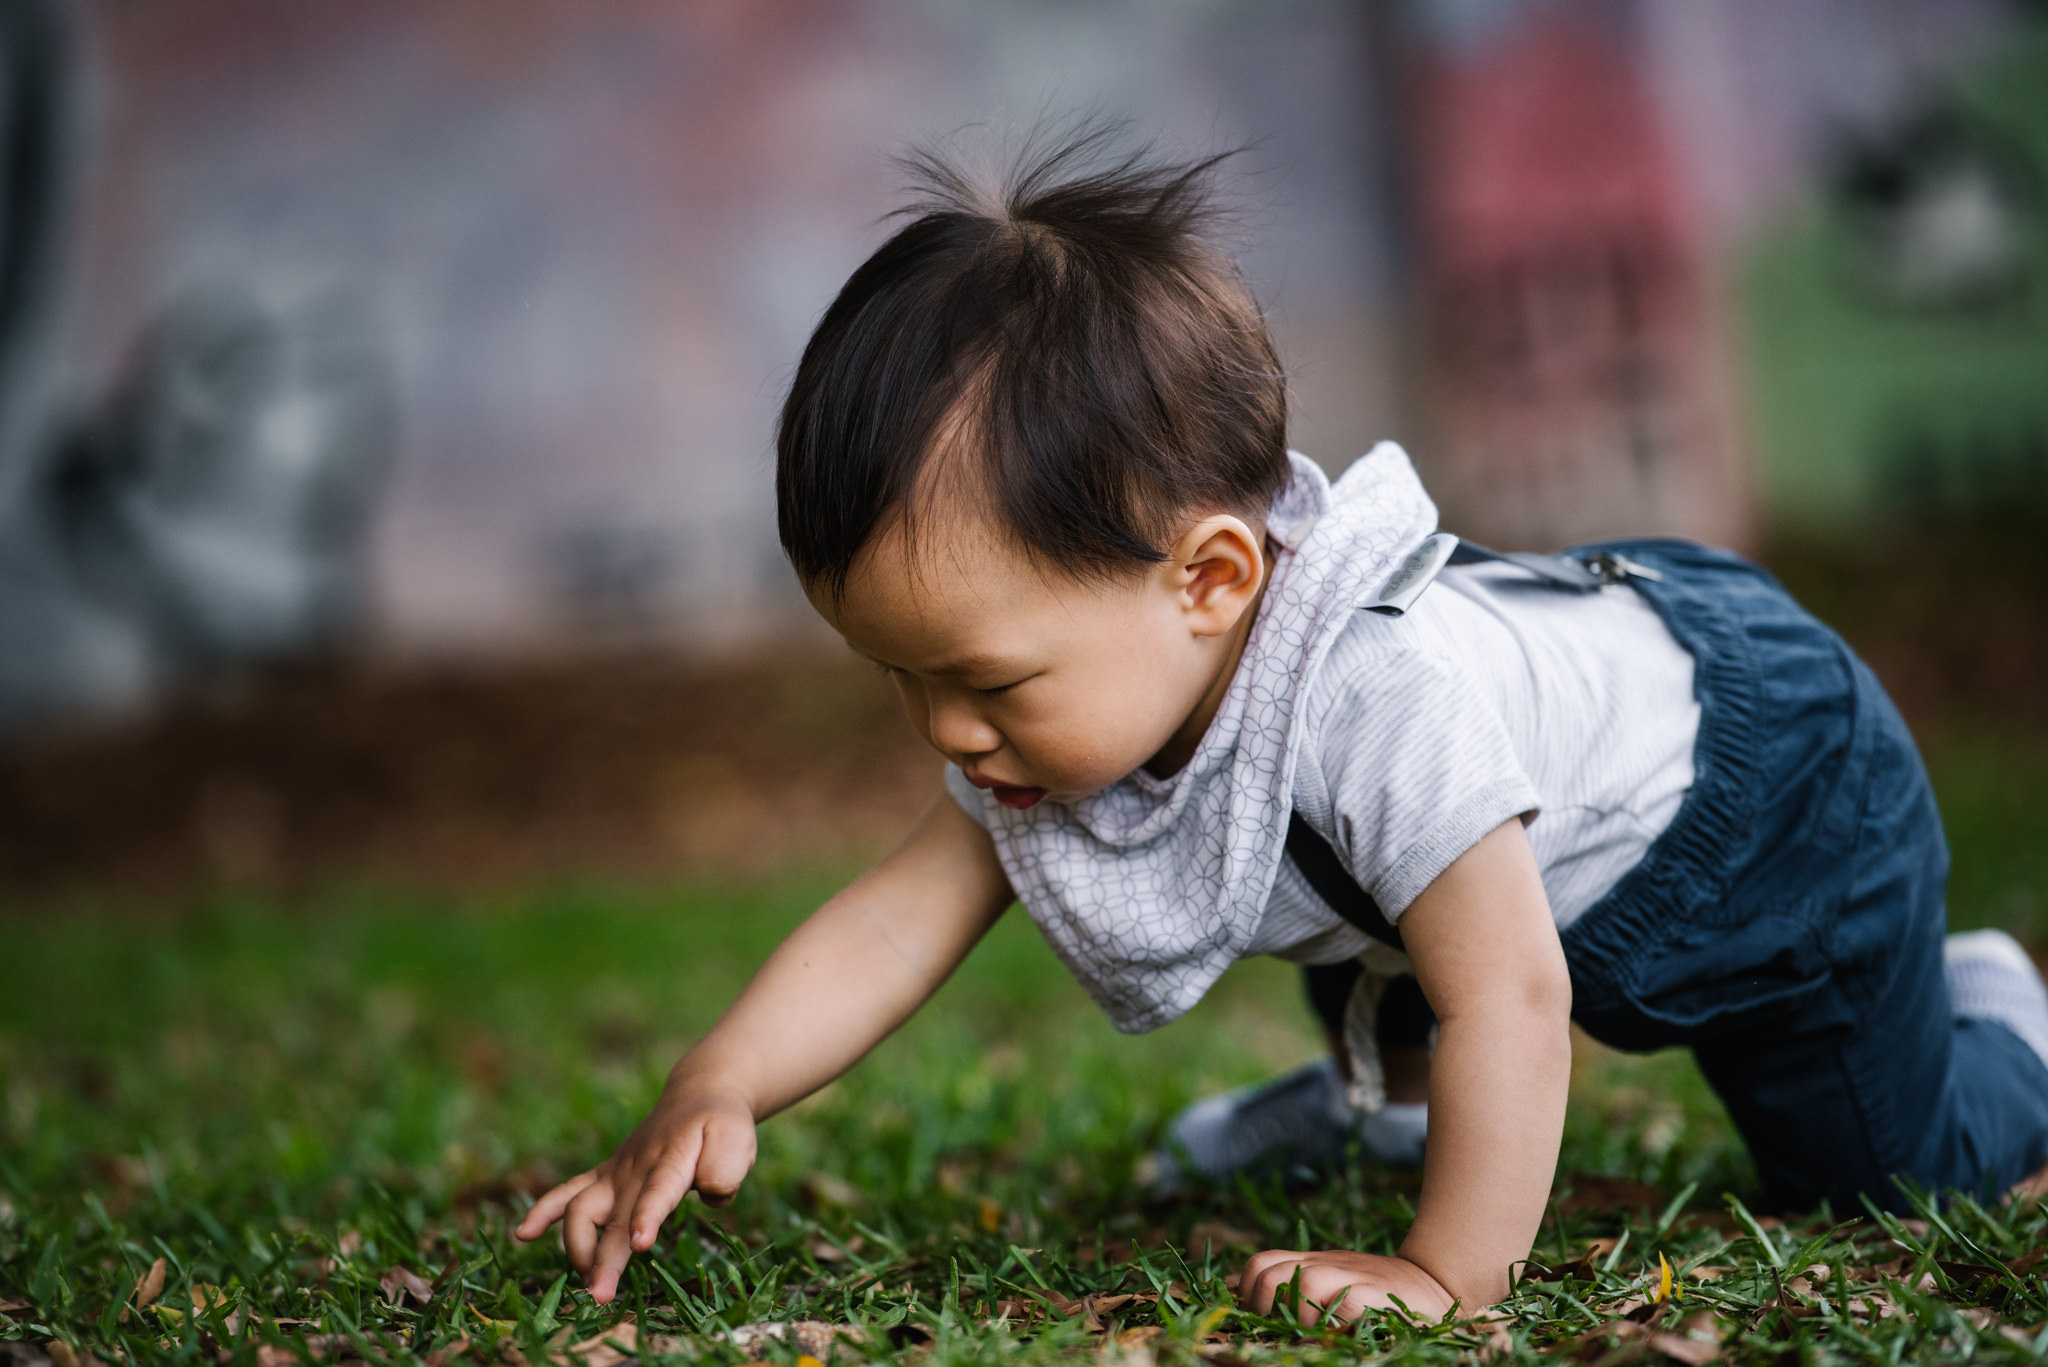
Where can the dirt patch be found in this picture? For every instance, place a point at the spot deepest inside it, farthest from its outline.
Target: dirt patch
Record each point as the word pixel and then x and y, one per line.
pixel 639 763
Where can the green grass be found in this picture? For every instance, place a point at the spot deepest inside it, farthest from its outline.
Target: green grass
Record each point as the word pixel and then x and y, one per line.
pixel 287 1102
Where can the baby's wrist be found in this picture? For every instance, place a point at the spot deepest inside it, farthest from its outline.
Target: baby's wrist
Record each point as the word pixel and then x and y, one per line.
pixel 694 1086
pixel 1473 1287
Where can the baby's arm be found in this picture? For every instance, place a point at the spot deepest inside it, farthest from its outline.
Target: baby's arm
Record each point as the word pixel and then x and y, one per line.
pixel 843 980
pixel 1487 955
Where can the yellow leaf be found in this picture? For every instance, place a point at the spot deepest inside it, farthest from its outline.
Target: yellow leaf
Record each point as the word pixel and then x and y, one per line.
pixel 806 1360
pixel 1663 1280
pixel 991 1215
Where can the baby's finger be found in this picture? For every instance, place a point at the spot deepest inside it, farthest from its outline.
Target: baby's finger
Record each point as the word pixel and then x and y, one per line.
pixel 612 1252
pixel 586 1215
pixel 665 1188
pixel 1269 1290
pixel 550 1206
pixel 1251 1280
pixel 1336 1293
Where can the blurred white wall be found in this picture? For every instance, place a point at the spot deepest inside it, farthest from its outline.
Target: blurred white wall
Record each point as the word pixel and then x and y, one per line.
pixel 596 238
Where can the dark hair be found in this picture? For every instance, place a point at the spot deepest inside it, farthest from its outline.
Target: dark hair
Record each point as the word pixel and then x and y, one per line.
pixel 1076 330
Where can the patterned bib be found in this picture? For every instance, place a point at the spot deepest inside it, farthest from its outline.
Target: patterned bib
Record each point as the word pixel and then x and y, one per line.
pixel 1149 889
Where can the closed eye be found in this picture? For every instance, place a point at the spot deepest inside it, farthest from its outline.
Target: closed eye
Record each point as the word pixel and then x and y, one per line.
pixel 1001 689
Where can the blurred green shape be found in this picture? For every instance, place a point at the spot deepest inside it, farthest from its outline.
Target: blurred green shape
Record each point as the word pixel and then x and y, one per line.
pixel 1897 319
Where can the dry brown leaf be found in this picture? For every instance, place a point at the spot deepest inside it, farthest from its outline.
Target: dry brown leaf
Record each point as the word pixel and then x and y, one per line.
pixel 1494 1336
pixel 1092 1307
pixel 1600 1194
pixel 350 1243
pixel 441 1356
pixel 1685 1348
pixel 1143 1334
pixel 2026 1262
pixel 10 1304
pixel 149 1285
pixel 399 1282
pixel 815 1337
pixel 605 1349
pixel 825 1251
pixel 1218 1235
pixel 272 1355
pixel 1970 1275
pixel 1877 1272
pixel 822 1189
pixel 2030 1188
pixel 1695 1339
pixel 1875 1305
pixel 1597 1336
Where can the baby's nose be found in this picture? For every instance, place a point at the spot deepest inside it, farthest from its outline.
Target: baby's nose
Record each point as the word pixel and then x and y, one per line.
pixel 960 732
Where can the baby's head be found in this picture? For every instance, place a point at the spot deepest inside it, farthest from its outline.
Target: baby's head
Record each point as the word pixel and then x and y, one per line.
pixel 1025 462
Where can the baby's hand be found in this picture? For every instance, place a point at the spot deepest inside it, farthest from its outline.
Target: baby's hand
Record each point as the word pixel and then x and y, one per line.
pixel 1342 1284
pixel 697 1136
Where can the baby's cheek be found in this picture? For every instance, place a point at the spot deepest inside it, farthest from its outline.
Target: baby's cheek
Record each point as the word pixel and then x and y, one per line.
pixel 1082 762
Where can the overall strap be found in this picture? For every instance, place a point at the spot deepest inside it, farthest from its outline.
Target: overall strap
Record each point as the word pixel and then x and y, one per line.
pixel 1574 573
pixel 1334 884
pixel 1311 853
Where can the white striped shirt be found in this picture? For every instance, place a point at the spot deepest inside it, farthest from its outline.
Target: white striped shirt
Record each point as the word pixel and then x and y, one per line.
pixel 1494 696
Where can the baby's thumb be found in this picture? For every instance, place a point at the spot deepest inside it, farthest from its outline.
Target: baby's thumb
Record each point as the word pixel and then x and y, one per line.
pixel 728 1156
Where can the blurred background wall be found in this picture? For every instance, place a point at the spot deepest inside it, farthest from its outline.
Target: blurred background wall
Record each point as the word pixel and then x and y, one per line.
pixel 385 470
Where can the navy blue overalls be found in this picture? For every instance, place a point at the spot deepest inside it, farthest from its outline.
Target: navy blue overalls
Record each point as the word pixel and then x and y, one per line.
pixel 1787 926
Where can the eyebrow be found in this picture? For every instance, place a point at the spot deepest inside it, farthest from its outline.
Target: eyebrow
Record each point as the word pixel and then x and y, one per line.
pixel 956 668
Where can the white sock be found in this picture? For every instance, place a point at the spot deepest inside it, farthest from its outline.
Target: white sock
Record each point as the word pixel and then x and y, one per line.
pixel 1991 978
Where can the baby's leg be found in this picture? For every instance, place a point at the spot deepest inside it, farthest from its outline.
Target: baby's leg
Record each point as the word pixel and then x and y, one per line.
pixel 1889 1071
pixel 1402 1030
pixel 1305 1118
pixel 1949 1100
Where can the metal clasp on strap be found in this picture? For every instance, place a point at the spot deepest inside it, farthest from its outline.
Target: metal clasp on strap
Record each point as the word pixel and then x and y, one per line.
pixel 1578 574
pixel 1613 567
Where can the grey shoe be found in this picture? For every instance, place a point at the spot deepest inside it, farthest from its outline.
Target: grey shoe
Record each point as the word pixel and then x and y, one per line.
pixel 1300 1119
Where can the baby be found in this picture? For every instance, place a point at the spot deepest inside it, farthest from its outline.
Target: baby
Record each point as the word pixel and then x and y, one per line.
pixel 1197 702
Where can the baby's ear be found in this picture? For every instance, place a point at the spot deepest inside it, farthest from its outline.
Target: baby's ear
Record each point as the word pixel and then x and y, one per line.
pixel 1218 566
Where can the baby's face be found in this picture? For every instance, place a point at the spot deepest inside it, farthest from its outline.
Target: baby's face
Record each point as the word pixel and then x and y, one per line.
pixel 1040 687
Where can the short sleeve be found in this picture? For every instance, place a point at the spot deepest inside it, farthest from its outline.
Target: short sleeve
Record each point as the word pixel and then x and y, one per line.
pixel 1407 763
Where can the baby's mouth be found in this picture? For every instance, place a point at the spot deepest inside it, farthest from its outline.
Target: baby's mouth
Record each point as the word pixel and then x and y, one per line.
pixel 1019 799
